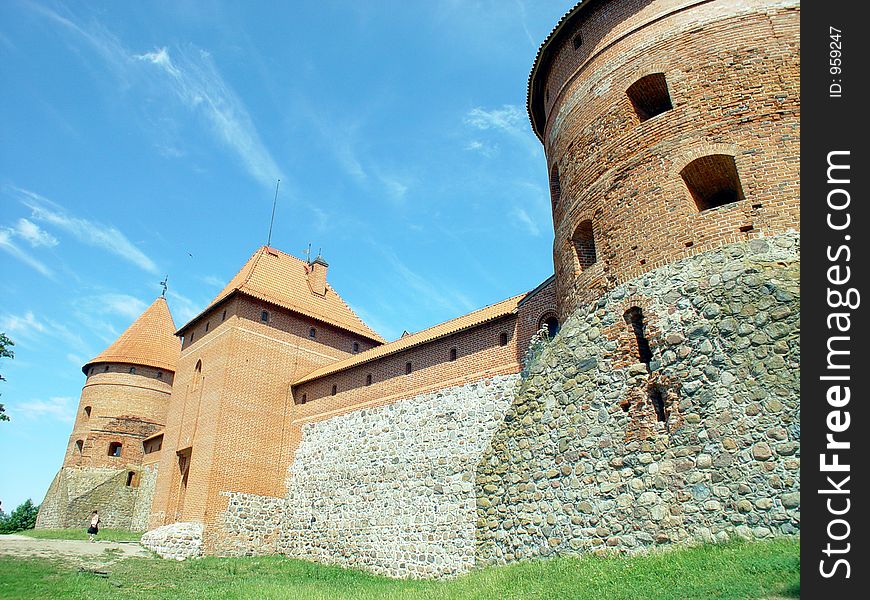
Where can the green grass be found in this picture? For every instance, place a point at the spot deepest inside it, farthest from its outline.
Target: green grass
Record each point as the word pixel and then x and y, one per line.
pixel 105 535
pixel 730 571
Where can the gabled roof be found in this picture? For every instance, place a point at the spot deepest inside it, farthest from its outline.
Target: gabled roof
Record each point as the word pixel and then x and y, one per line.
pixel 149 341
pixel 280 279
pixel 488 313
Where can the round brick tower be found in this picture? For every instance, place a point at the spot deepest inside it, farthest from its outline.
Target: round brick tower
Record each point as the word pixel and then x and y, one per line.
pixel 123 402
pixel 670 127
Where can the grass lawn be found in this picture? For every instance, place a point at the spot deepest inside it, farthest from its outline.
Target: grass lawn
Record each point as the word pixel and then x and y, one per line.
pixel 735 570
pixel 106 535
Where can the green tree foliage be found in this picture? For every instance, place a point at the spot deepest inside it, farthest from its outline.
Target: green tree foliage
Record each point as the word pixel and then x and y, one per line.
pixel 5 352
pixel 23 517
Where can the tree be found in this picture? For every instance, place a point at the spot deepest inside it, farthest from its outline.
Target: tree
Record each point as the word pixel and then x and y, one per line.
pixel 23 517
pixel 5 352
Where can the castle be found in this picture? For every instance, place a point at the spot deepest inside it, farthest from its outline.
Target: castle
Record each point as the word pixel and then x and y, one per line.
pixel 647 393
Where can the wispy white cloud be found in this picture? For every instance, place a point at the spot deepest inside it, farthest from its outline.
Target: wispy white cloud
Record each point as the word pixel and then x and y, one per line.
pixel 25 326
pixel 487 149
pixel 509 119
pixel 194 78
pixel 429 292
pixel 521 217
pixel 183 308
pixel 118 304
pixel 88 232
pixel 212 280
pixel 8 246
pixel 33 234
pixel 61 408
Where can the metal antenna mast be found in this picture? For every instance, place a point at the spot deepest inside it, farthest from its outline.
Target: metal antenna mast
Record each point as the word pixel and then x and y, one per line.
pixel 271 222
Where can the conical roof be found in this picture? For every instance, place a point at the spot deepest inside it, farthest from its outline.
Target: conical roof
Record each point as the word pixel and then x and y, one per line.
pixel 149 341
pixel 280 279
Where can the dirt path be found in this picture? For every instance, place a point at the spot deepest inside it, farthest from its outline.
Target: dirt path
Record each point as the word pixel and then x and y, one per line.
pixel 88 554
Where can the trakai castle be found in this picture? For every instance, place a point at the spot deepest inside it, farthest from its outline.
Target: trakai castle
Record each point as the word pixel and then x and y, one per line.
pixel 646 394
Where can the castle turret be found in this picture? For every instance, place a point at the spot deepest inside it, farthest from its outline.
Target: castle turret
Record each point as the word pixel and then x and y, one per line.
pixel 123 402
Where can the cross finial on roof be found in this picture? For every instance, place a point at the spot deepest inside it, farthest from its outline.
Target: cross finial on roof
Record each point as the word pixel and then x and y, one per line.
pixel 165 284
pixel 307 253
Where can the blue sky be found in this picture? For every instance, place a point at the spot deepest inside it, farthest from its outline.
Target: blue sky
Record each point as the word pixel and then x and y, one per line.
pixel 145 139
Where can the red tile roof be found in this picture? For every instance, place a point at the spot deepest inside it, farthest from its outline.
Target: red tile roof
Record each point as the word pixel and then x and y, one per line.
pixel 488 313
pixel 280 279
pixel 149 341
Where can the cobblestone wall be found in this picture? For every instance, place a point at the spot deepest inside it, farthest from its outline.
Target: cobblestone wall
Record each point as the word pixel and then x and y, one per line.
pixel 178 540
pixel 391 489
pixel 250 525
pixel 77 491
pixel 144 496
pixel 601 450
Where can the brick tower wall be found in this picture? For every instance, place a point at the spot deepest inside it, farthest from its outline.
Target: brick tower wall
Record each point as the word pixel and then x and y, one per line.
pixel 732 76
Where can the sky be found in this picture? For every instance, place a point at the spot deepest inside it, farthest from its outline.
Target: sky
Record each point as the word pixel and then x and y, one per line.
pixel 144 140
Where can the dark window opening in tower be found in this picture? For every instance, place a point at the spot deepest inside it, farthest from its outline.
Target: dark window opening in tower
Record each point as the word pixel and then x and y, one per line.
pixel 555 186
pixel 503 338
pixel 649 96
pixel 334 390
pixel 578 41
pixel 132 370
pixel 551 324
pixel 355 347
pixel 583 241
pixel 713 181
pixel 88 412
pixel 408 368
pixel 159 374
pixel 453 354
pixel 79 445
pixel 264 316
pixel 312 333
pixel 207 323
pixel 369 379
pixel 634 317
pixel 656 396
pixel 130 479
pixel 197 375
pixel 224 315
pixel 304 399
pixel 115 449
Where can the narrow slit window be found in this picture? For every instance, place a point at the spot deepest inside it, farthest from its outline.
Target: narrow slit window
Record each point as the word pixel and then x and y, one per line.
pixel 88 412
pixel 131 475
pixel 503 338
pixel 657 398
pixel 649 96
pixel 408 368
pixel 159 374
pixel 583 242
pixel 79 445
pixel 264 316
pixel 355 347
pixel 453 354
pixel 578 41
pixel 334 390
pixel 312 333
pixel 634 317
pixel 304 399
pixel 369 379
pixel 555 186
pixel 207 323
pixel 224 315
pixel 713 181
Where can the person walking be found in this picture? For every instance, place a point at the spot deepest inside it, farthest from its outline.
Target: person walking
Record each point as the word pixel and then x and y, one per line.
pixel 94 527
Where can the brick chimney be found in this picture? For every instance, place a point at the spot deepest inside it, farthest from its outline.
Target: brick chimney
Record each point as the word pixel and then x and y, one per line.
pixel 317 276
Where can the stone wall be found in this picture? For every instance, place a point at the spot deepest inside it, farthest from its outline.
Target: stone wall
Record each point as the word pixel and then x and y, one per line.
pixel 391 489
pixel 77 491
pixel 250 525
pixel 601 450
pixel 144 495
pixel 179 541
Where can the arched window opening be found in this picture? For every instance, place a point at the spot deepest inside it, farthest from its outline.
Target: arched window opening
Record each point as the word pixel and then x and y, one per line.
pixel 312 333
pixel 649 95
pixel 713 181
pixel 583 241
pixel 115 449
pixel 192 333
pixel 264 316
pixel 197 375
pixel 355 347
pixel 578 41
pixel 369 379
pixel 408 368
pixel 634 317
pixel 87 412
pixel 132 481
pixel 334 390
pixel 159 374
pixel 453 354
pixel 79 445
pixel 132 370
pixel 551 324
pixel 555 186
